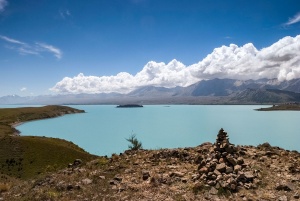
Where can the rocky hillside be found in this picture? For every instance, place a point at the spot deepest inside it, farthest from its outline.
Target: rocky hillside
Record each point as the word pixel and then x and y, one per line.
pixel 219 171
pixel 265 96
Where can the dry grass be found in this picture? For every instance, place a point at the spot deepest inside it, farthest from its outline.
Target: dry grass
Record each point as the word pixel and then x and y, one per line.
pixel 4 187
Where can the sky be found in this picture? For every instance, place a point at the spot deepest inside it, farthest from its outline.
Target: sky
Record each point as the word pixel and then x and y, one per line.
pixel 103 46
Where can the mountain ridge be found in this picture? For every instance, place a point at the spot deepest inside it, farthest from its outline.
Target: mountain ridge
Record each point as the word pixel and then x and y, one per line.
pixel 214 91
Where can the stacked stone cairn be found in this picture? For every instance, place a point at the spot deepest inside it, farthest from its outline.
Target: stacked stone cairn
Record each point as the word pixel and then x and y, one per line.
pixel 223 167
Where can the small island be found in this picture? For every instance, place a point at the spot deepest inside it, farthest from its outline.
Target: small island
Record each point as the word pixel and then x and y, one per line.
pixel 129 106
pixel 282 107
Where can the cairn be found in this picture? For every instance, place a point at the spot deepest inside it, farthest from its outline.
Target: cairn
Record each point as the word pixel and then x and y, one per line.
pixel 224 167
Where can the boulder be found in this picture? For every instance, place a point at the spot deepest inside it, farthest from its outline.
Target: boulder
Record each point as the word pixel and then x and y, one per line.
pixel 221 167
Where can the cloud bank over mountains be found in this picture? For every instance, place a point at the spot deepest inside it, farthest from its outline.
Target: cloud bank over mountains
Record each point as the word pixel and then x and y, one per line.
pixel 280 60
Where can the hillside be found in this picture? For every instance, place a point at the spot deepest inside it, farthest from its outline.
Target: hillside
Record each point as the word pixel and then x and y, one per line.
pixel 219 171
pixel 265 96
pixel 24 156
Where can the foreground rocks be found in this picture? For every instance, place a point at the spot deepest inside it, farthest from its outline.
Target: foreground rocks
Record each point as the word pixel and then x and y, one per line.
pixel 223 167
pixel 219 171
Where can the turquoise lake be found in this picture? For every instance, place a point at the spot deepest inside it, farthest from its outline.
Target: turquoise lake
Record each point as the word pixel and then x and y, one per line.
pixel 103 128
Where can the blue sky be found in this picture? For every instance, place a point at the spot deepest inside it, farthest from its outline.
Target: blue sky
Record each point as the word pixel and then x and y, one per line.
pixel 78 46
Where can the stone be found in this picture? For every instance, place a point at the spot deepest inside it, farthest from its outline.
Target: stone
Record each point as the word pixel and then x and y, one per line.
pixel 296 196
pixel 77 162
pixel 228 170
pixel 283 198
pixel 102 177
pixel 86 181
pixel 199 159
pixel 221 167
pixel 232 187
pixel 249 175
pixel 145 175
pixel 69 187
pixel 231 160
pixel 176 174
pixel 203 170
pixel 217 172
pixel 240 161
pixel 283 187
pixel 211 182
pixel 213 191
pixel 237 168
pixel 117 178
pixel 202 164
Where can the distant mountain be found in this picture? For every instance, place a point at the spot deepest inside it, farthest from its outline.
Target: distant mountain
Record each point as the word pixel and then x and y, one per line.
pixel 215 91
pixel 13 99
pixel 265 96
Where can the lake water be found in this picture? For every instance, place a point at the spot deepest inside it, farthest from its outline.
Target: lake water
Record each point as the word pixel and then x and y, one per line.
pixel 102 129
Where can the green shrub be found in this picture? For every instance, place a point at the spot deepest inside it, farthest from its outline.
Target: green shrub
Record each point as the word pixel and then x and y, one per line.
pixel 135 144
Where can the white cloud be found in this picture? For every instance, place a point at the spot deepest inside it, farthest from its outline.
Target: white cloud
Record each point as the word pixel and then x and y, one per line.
pixel 23 89
pixel 3 4
pixel 64 14
pixel 49 48
pixel 12 40
pixel 293 20
pixel 280 60
pixel 32 49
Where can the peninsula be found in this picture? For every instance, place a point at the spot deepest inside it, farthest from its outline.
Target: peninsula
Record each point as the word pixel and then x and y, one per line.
pixel 289 106
pixel 129 106
pixel 28 156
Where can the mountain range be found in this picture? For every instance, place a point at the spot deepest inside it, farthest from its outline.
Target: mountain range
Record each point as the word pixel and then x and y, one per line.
pixel 215 91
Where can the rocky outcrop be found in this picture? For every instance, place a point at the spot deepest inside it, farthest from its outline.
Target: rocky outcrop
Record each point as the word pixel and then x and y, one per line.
pixel 219 171
pixel 223 167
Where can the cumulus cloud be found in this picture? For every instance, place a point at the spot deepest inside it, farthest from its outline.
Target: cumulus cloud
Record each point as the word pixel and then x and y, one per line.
pixel 280 60
pixel 293 20
pixel 33 49
pixel 3 4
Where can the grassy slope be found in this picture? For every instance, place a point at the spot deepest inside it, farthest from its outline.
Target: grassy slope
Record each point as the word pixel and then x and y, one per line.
pixel 25 156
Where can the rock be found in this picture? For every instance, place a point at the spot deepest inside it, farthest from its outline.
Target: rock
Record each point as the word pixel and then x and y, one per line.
pixel 211 182
pixel 283 198
pixel 217 172
pixel 283 187
pixel 177 174
pixel 77 162
pixel 203 170
pixel 237 168
pixel 231 160
pixel 69 187
pixel 199 159
pixel 240 161
pixel 102 177
pixel 113 182
pixel 145 175
pixel 249 175
pixel 296 196
pixel 221 167
pixel 86 181
pixel 117 178
pixel 228 170
pixel 213 191
pixel 184 179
